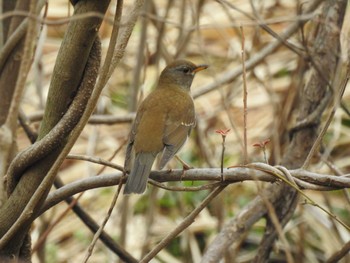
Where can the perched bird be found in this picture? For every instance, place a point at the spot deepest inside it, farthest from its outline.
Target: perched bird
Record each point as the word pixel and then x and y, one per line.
pixel 162 124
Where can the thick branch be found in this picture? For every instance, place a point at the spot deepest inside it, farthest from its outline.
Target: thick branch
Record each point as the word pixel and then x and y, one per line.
pixel 57 135
pixel 68 74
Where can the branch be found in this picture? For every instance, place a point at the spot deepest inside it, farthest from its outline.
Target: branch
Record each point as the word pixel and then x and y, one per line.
pixel 64 127
pixel 317 182
pixel 95 119
pixel 25 201
pixel 48 144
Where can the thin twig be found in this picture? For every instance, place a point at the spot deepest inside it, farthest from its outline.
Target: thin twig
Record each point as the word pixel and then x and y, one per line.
pixel 183 225
pixel 97 160
pixel 222 158
pixel 19 32
pixel 256 18
pixel 245 98
pixel 140 61
pixel 337 256
pixel 74 202
pixel 28 54
pixel 262 166
pixel 230 75
pixel 91 224
pixel 118 53
pixel 99 231
pixel 223 136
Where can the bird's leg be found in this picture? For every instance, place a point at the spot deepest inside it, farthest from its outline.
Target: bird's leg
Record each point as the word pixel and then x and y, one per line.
pixel 125 174
pixel 185 166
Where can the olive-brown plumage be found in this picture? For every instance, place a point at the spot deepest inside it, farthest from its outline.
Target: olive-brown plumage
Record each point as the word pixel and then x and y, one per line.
pixel 162 124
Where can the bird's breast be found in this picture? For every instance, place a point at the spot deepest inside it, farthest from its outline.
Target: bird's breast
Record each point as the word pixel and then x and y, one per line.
pixel 159 109
pixel 179 105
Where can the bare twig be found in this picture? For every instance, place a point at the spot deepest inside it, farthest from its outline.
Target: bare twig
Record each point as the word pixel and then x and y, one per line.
pixel 223 136
pixel 28 53
pixel 245 98
pixel 263 25
pixel 93 226
pixel 337 256
pixel 95 160
pixel 183 225
pixel 295 186
pixel 139 63
pixel 99 231
pixel 230 75
pixel 123 40
pixel 19 32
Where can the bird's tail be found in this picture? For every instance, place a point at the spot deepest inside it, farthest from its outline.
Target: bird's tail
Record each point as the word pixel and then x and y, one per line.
pixel 137 179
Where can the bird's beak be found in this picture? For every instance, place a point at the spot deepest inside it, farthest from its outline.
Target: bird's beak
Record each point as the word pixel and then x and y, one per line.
pixel 200 67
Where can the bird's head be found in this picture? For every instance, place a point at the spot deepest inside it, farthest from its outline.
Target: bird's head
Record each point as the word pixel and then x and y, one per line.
pixel 180 73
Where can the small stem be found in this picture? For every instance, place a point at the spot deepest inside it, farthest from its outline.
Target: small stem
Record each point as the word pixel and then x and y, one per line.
pixel 265 158
pixel 222 157
pixel 223 136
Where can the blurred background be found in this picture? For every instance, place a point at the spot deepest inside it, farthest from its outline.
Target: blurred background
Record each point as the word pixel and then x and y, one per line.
pixel 210 32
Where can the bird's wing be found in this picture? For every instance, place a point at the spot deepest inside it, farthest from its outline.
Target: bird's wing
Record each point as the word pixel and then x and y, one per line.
pixel 175 135
pixel 129 154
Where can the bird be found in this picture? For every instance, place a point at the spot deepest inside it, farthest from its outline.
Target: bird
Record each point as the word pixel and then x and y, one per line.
pixel 163 123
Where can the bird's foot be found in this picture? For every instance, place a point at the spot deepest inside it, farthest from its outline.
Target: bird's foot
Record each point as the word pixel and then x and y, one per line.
pixel 185 168
pixel 185 165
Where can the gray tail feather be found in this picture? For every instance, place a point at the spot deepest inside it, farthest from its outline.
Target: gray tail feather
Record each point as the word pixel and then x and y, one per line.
pixel 137 179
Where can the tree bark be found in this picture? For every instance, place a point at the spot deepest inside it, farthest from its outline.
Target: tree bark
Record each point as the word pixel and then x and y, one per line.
pixel 66 84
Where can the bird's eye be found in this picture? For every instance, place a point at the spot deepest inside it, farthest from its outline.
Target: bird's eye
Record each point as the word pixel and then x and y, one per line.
pixel 186 70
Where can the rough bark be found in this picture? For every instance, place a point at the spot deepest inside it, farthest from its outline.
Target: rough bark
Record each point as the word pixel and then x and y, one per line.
pixel 64 88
